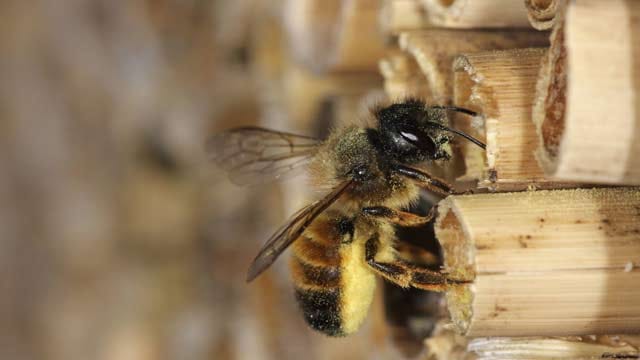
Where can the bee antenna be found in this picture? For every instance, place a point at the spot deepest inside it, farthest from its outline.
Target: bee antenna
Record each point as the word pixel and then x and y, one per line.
pixel 455 108
pixel 458 132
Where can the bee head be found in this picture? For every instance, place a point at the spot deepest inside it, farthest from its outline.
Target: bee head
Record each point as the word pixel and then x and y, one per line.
pixel 355 157
pixel 406 132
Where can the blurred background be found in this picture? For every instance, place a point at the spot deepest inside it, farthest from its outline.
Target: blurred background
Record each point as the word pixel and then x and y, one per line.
pixel 118 239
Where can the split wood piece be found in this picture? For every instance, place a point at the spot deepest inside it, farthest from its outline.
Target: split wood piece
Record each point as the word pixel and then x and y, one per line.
pixel 473 14
pixel 402 77
pixel 434 50
pixel 542 14
pixel 587 106
pixel 567 348
pixel 402 15
pixel 333 35
pixel 500 85
pixel 543 263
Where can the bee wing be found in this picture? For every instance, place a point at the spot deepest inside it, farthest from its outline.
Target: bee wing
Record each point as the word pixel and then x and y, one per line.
pixel 254 155
pixel 291 230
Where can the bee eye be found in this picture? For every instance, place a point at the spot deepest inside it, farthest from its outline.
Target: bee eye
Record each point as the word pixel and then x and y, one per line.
pixel 420 140
pixel 409 136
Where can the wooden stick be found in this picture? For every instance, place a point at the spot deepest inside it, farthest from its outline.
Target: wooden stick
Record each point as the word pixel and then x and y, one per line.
pixel 567 348
pixel 336 36
pixel 542 13
pixel 543 263
pixel 434 50
pixel 476 13
pixel 402 15
pixel 588 107
pixel 501 86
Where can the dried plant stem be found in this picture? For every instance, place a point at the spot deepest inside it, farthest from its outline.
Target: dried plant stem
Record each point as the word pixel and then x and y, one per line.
pixel 588 107
pixel 542 14
pixel 501 86
pixel 567 348
pixel 435 49
pixel 543 263
pixel 476 13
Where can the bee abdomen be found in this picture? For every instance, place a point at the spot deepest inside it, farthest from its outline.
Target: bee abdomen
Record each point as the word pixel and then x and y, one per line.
pixel 310 252
pixel 321 310
pixel 312 277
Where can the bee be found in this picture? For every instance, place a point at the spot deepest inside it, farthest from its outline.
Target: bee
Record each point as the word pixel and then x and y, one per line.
pixel 343 240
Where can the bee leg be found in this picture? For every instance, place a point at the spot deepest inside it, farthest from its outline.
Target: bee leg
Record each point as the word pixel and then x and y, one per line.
pixel 397 217
pixel 405 275
pixel 425 180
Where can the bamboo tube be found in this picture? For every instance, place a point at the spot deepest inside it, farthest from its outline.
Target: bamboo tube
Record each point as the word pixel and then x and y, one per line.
pixel 543 263
pixel 434 50
pixel 402 77
pixel 468 14
pixel 501 86
pixel 402 15
pixel 333 35
pixel 542 13
pixel 567 348
pixel 587 107
pixel 549 104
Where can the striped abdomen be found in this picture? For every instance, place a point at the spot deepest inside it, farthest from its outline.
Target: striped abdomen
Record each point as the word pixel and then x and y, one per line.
pixel 333 285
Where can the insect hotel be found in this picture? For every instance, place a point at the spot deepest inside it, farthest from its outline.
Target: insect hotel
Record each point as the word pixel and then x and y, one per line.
pixel 544 231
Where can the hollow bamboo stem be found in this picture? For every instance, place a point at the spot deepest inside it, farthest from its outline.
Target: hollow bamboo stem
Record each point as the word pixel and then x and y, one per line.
pixel 500 85
pixel 434 50
pixel 587 106
pixel 542 14
pixel 567 348
pixel 468 14
pixel 543 263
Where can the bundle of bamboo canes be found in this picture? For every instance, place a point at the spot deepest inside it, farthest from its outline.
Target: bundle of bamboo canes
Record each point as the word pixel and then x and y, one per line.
pixel 587 108
pixel 557 262
pixel 557 110
pixel 552 263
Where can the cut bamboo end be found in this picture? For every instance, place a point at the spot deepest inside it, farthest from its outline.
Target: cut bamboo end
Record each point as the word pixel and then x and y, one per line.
pixel 402 15
pixel 335 36
pixel 477 13
pixel 402 77
pixel 434 50
pixel 542 14
pixel 587 107
pixel 543 263
pixel 567 348
pixel 549 105
pixel 501 86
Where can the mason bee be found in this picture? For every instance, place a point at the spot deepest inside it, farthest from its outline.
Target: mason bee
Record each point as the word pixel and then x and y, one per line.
pixel 343 240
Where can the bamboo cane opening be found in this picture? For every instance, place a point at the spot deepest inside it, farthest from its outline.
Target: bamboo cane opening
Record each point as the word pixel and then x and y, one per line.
pixel 550 102
pixel 540 5
pixel 459 264
pixel 542 13
pixel 554 102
